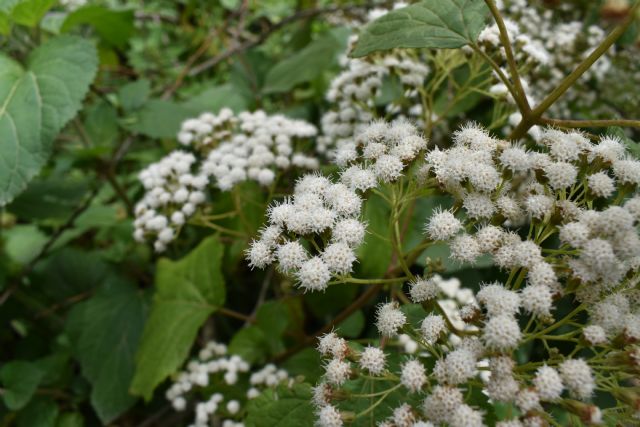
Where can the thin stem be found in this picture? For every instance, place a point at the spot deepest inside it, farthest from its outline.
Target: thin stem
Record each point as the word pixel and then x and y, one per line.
pixel 532 119
pixel 590 123
pixel 497 69
pixel 521 99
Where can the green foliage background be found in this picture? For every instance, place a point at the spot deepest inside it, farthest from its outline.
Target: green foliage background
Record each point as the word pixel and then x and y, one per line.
pixel 93 322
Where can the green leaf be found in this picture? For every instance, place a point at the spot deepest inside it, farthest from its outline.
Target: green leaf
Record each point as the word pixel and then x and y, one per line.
pixel 187 292
pixel 352 326
pixel 159 119
pixel 214 98
pixel 282 407
pixel 19 380
pixel 105 331
pixel 306 363
pixel 49 199
pixel 375 254
pixel 135 94
pixel 114 26
pixel 428 24
pixel 70 419
pixel 101 124
pixel 24 242
pixel 30 12
pixel 70 272
pixel 251 344
pixel 36 103
pixel 41 412
pixel 306 64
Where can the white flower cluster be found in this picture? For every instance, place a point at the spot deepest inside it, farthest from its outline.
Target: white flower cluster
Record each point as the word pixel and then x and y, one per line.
pixel 551 48
pixel 214 366
pixel 327 214
pixel 496 185
pixel 353 94
pixel 228 149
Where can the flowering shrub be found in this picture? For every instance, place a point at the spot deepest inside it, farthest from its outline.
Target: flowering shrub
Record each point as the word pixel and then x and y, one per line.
pixel 402 215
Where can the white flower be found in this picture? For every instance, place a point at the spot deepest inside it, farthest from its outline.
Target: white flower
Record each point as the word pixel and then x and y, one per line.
pixel 422 290
pixel 372 359
pixel 389 319
pixel 314 275
pixel 501 332
pixel 537 300
pixel 291 255
pixel 388 168
pixel 259 254
pixel 432 327
pixel 548 383
pixel 413 375
pixel 339 258
pixel 578 378
pixel 498 300
pixel 443 225
pixel 337 371
pixel 329 416
pixel 601 185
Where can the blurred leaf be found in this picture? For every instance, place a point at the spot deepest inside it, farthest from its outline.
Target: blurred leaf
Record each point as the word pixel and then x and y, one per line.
pixel 37 103
pixel 283 407
pixel 70 419
pixel 19 380
pixel 41 412
pixel 135 94
pixel 427 24
pixel 187 292
pixel 70 272
pixel 352 326
pixel 114 26
pixel 308 63
pixel 251 344
pixel 51 198
pixel 273 318
pixel 24 242
pixel 306 363
pixel 105 331
pixel 159 119
pixel 215 98
pixel 30 12
pixel 375 254
pixel 101 124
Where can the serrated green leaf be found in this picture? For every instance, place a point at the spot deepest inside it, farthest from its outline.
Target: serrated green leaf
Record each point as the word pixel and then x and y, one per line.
pixel 110 323
pixel 19 381
pixel 36 102
pixel 114 26
pixel 306 64
pixel 282 407
pixel 187 292
pixel 427 24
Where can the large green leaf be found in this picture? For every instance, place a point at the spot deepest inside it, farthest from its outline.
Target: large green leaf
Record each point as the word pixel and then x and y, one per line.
pixel 19 381
pixel 428 24
pixel 105 331
pixel 283 407
pixel 36 102
pixel 113 26
pixel 306 64
pixel 188 291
